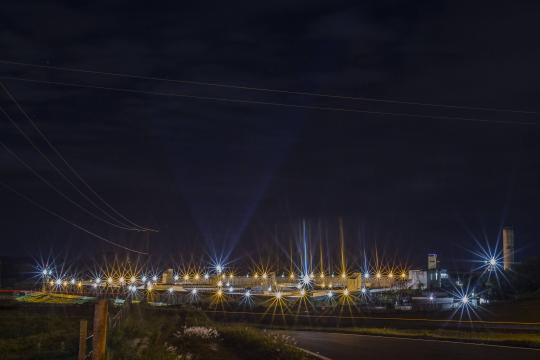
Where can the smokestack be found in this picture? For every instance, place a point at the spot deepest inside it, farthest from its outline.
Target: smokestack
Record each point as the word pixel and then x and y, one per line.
pixel 508 247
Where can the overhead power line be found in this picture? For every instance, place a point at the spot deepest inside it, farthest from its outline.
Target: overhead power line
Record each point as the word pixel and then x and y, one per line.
pixel 268 103
pixel 268 90
pixel 58 191
pixel 123 225
pixel 38 205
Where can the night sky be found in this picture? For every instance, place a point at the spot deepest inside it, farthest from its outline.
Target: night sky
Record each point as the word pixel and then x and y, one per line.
pixel 217 176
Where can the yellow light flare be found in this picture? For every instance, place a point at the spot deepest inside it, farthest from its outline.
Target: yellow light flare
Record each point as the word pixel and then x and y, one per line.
pixel 265 276
pixel 378 276
pixel 256 276
pixel 346 292
pixel 110 280
pixel 391 275
pixel 343 275
pixel 219 293
pixel 291 276
pixel 322 276
pixel 132 279
pixel 79 284
pixel 121 280
pixel 403 275
pixel 197 276
pixel 186 277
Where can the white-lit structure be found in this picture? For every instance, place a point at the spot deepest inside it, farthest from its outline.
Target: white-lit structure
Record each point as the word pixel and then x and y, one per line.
pixel 508 247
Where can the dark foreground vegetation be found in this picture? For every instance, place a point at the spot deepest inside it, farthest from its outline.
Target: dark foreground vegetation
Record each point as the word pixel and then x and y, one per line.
pixel 51 332
pixel 40 331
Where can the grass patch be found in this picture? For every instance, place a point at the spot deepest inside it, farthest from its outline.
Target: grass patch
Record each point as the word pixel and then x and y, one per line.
pixel 50 298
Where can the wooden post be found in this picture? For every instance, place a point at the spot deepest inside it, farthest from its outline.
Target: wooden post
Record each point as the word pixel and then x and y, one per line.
pixel 99 341
pixel 83 333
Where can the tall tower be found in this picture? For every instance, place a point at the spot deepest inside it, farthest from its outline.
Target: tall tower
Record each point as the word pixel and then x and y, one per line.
pixel 508 247
pixel 432 262
pixel 433 278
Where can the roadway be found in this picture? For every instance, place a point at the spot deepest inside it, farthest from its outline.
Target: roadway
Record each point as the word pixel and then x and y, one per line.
pixel 353 346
